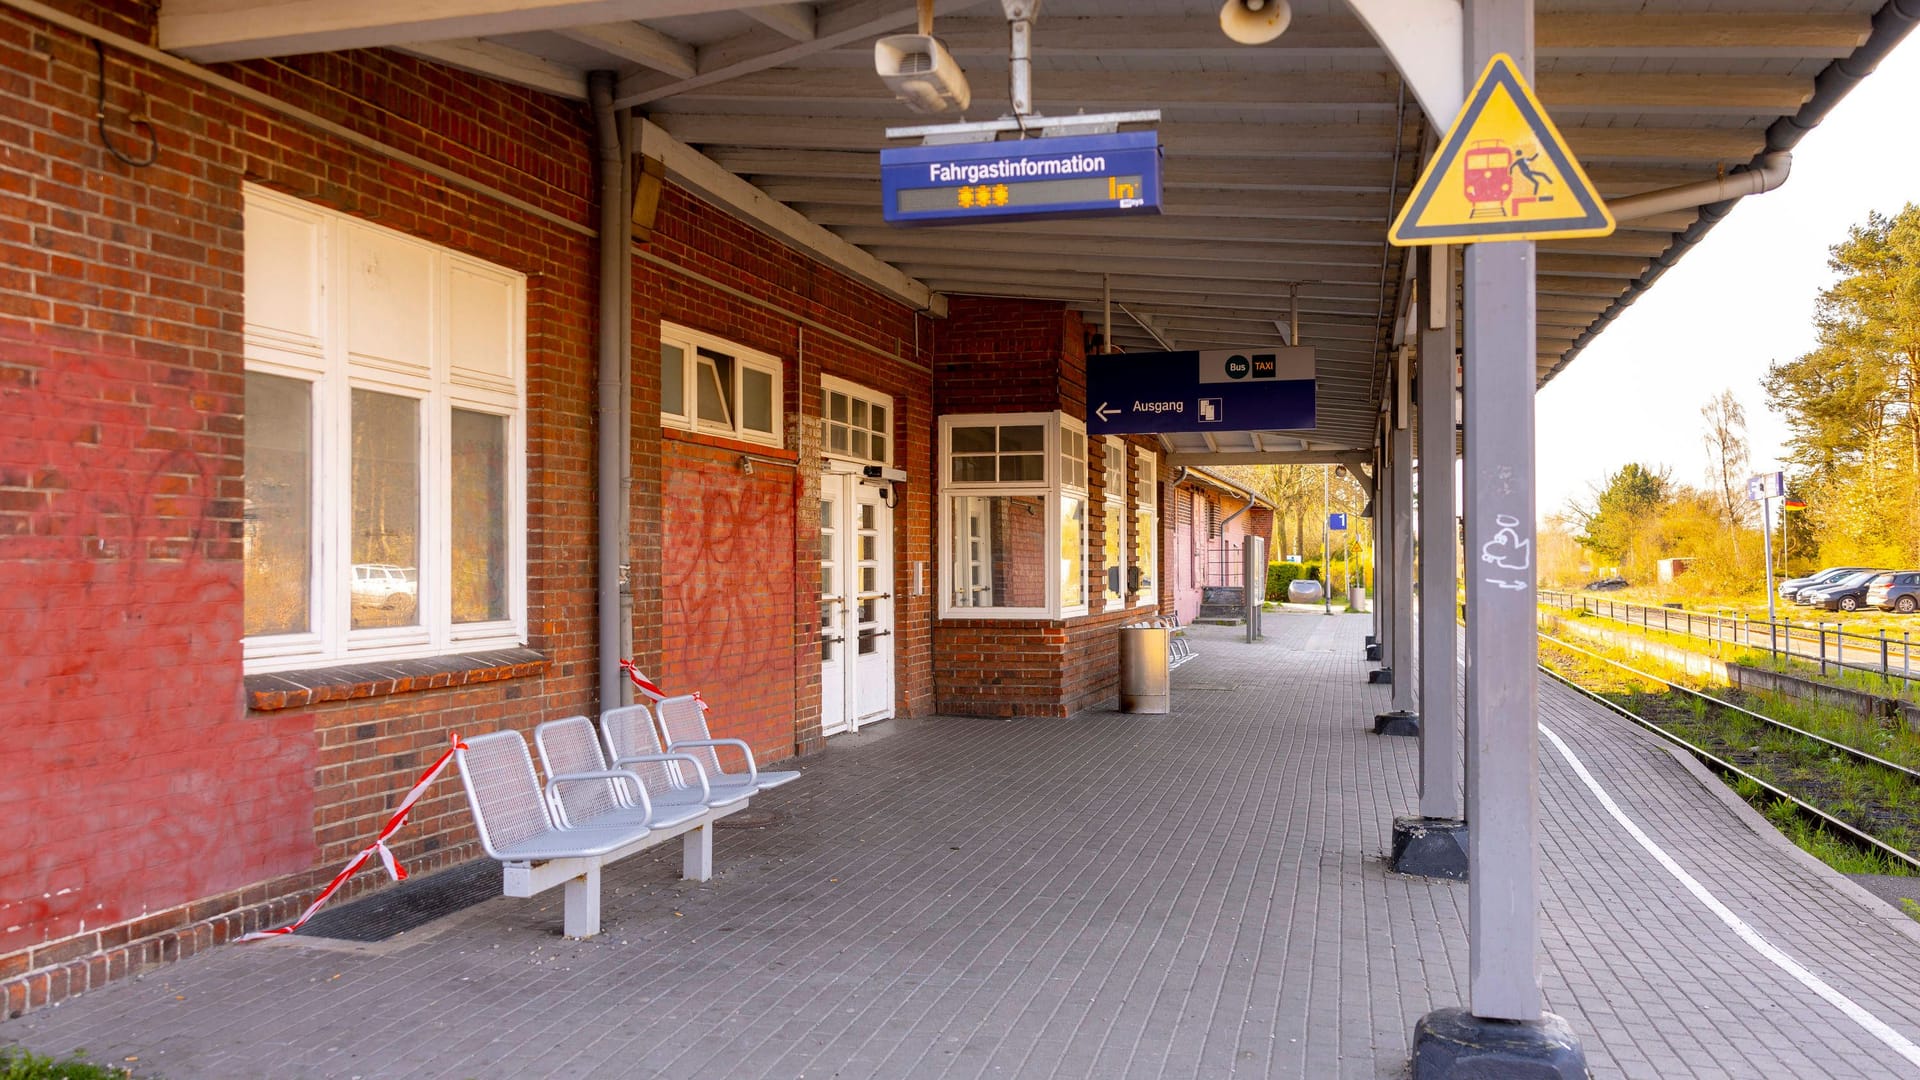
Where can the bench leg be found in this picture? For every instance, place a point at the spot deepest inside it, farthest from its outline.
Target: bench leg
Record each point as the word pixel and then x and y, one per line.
pixel 583 904
pixel 696 854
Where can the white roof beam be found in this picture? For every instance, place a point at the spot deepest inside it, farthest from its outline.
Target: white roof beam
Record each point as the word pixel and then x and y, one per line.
pixel 794 22
pixel 216 30
pixel 842 24
pixel 508 65
pixel 639 44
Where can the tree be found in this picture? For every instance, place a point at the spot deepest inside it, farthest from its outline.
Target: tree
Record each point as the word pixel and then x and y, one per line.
pixel 1852 405
pixel 1726 439
pixel 1630 499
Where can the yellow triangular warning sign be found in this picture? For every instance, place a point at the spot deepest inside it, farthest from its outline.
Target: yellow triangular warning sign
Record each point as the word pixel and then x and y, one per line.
pixel 1502 173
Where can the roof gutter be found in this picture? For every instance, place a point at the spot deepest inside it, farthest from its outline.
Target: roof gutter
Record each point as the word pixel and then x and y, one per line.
pixel 1891 24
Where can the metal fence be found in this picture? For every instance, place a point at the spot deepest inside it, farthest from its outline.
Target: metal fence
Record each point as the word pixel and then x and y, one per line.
pixel 1829 645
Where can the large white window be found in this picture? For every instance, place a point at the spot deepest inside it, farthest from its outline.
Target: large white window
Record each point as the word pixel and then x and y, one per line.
pixel 1146 533
pixel 1013 516
pixel 711 385
pixel 1114 521
pixel 385 512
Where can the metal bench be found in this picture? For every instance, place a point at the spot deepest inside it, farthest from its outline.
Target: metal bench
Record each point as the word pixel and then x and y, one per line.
pixel 540 846
pixel 684 720
pixel 633 742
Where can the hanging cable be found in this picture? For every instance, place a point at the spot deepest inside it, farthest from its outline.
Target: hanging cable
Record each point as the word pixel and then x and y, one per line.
pixel 136 119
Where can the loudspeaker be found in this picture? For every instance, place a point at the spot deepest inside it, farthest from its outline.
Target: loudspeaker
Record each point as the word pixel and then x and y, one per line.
pixel 1255 22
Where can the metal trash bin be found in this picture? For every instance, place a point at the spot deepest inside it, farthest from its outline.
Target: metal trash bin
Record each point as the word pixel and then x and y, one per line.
pixel 1144 683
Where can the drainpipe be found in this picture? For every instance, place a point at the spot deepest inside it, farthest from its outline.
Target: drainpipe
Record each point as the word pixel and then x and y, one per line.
pixel 613 426
pixel 1770 173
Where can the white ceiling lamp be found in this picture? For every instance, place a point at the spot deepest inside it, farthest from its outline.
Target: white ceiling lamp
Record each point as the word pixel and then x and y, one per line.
pixel 1255 22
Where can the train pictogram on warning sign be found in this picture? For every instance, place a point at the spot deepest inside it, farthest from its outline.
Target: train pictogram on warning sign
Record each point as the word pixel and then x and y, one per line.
pixel 1501 173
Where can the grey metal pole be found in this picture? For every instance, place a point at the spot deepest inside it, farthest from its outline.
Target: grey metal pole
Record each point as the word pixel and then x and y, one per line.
pixel 1439 739
pixel 1400 658
pixel 1383 549
pixel 1326 540
pixel 1502 771
pixel 1766 524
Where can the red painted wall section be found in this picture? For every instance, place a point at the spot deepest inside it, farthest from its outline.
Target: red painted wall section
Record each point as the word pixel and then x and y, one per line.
pixel 726 583
pixel 120 505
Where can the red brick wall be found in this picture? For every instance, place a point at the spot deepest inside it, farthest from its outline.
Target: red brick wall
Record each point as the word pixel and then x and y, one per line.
pixel 765 296
pixel 998 355
pixel 728 630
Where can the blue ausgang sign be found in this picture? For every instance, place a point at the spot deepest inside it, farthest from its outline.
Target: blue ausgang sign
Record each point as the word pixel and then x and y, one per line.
pixel 1216 390
pixel 1072 176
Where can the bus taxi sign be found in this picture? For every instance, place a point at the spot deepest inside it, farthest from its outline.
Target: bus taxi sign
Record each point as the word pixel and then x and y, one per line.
pixel 1502 173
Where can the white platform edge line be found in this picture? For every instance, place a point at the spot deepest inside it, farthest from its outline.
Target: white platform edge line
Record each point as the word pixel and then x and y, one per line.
pixel 1874 1026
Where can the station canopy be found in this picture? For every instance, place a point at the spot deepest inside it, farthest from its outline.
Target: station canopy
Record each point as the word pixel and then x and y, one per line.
pixel 1284 163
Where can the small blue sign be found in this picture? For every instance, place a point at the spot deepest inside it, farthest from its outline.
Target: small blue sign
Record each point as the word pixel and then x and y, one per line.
pixel 1069 176
pixel 1766 486
pixel 1265 389
pixel 1336 523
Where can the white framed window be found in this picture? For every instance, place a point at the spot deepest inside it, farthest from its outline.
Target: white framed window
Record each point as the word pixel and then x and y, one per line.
pixel 1073 517
pixel 1114 503
pixel 385 449
pixel 711 385
pixel 855 422
pixel 1012 533
pixel 1146 533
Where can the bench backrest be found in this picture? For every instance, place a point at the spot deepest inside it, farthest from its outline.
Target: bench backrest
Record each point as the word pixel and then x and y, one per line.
pixel 506 800
pixel 629 730
pixel 684 717
pixel 571 746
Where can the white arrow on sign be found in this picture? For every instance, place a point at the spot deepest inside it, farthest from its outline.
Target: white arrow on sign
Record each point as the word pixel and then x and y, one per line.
pixel 1102 411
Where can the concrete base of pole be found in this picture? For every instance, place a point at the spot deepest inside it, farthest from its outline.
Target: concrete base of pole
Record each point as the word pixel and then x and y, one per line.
pixel 1372 641
pixel 1373 650
pixel 1430 847
pixel 1397 722
pixel 1380 675
pixel 1454 1044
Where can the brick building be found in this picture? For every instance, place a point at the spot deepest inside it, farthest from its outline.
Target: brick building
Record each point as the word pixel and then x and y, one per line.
pixel 1212 518
pixel 299 477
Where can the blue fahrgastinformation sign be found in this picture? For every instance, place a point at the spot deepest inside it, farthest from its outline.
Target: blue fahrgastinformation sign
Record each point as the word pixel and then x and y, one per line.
pixel 1071 176
pixel 1213 390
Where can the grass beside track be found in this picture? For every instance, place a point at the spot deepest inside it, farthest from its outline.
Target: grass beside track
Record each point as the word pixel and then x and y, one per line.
pixel 1876 800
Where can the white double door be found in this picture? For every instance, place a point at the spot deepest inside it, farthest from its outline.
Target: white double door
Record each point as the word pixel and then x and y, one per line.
pixel 856 604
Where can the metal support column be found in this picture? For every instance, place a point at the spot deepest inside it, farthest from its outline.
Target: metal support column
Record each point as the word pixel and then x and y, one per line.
pixel 1506 1018
pixel 1503 782
pixel 1400 717
pixel 1439 738
pixel 1433 843
pixel 1383 583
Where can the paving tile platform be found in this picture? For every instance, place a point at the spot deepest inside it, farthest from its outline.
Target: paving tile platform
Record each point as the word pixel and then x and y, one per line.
pixel 1195 895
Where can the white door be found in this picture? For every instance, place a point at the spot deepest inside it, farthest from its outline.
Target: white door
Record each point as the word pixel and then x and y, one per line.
pixel 856 604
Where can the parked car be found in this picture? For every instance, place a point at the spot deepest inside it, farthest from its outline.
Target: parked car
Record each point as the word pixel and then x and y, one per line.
pixel 1612 584
pixel 1790 588
pixel 387 585
pixel 1850 594
pixel 1900 593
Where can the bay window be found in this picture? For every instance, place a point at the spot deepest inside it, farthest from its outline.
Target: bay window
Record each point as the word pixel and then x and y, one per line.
pixel 1013 516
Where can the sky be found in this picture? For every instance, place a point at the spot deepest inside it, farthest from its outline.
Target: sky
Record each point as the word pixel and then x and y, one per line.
pixel 1741 299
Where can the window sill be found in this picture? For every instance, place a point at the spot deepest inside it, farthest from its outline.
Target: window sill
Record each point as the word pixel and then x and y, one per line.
pixel 270 691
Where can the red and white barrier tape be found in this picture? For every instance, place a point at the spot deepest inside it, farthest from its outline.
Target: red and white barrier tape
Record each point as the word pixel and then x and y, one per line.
pixel 650 689
pixel 378 847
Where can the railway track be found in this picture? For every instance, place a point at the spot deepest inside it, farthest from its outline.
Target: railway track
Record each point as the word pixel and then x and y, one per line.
pixel 1740 764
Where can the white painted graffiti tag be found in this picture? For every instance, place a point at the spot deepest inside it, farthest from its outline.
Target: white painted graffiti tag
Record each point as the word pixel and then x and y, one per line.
pixel 1508 551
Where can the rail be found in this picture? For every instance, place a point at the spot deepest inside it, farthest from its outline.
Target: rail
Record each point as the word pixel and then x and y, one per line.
pixel 1858 835
pixel 1814 642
